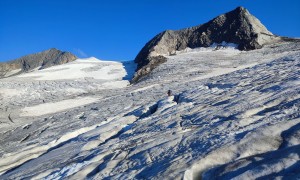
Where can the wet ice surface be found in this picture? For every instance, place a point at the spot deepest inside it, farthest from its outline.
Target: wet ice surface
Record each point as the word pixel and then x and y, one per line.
pixel 233 115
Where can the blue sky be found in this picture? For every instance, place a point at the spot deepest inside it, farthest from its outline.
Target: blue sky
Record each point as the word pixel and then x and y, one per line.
pixel 118 29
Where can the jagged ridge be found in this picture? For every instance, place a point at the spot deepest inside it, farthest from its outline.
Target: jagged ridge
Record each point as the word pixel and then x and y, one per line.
pixel 237 26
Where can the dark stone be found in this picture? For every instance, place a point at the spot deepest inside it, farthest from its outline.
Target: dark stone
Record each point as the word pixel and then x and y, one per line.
pixel 151 63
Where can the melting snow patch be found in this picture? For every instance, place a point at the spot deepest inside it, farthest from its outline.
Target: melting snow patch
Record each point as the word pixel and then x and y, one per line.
pixel 49 108
pixel 224 45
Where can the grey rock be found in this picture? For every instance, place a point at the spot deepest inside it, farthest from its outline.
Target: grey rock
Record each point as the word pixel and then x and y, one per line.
pixel 148 65
pixel 237 26
pixel 42 60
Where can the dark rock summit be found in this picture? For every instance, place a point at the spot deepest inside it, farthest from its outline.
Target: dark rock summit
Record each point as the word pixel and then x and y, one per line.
pixel 40 60
pixel 237 26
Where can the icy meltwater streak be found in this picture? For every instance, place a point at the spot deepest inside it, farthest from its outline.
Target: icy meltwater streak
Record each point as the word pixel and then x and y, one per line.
pixel 49 108
pixel 80 69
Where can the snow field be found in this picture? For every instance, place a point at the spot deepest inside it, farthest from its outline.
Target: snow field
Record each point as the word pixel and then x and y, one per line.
pixel 80 69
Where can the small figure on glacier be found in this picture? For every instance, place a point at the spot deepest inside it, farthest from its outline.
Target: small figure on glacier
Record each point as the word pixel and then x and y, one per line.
pixel 169 92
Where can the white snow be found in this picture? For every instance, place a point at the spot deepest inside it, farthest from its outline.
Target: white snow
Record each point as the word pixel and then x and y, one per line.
pixel 225 45
pixel 75 90
pixel 8 92
pixel 80 69
pixel 50 108
pixel 145 88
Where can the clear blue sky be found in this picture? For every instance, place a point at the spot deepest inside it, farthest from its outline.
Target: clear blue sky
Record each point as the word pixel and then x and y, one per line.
pixel 118 29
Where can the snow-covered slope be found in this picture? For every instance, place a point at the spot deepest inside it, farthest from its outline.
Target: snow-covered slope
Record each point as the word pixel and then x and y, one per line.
pixel 81 69
pixel 60 88
pixel 233 114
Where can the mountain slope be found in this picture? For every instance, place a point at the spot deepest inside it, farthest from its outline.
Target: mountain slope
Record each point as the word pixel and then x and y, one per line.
pixel 237 26
pixel 40 60
pixel 232 114
pixel 231 110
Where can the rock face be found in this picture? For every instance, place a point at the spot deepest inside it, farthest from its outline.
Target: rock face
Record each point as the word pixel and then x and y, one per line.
pixel 40 60
pixel 237 26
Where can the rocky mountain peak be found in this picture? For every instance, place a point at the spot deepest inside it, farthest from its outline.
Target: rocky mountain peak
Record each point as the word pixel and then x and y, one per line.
pixel 241 10
pixel 237 26
pixel 41 60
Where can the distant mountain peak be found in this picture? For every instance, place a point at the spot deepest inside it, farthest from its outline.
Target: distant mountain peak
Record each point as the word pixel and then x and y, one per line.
pixel 41 60
pixel 243 12
pixel 240 9
pixel 237 26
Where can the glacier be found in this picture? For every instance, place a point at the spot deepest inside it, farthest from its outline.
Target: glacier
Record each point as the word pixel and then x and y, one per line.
pixel 232 115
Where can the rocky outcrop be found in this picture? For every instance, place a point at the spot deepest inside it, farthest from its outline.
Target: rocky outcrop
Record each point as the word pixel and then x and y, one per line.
pixel 40 60
pixel 237 26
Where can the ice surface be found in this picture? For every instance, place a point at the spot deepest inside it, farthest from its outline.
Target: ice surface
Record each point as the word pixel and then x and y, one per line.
pixel 232 114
